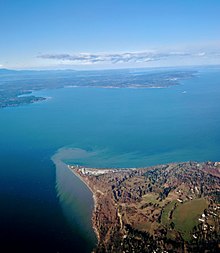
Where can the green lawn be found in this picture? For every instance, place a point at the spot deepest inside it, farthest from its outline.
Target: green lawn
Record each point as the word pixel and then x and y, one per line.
pixel 186 215
pixel 151 197
pixel 165 215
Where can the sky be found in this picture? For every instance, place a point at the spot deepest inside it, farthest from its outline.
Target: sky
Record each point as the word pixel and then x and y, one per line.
pixel 100 34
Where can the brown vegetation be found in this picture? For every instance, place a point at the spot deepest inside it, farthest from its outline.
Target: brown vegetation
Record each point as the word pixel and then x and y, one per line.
pixel 141 210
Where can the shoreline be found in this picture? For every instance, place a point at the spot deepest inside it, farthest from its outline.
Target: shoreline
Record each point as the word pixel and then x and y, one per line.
pixel 94 201
pixel 124 217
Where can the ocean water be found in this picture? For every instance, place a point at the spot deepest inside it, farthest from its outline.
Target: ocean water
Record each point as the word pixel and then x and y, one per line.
pixel 44 207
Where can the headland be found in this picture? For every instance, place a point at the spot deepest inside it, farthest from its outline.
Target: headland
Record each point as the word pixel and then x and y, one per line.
pixel 165 208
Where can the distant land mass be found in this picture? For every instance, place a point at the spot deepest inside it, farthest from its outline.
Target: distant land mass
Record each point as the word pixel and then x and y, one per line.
pixel 16 87
pixel 165 208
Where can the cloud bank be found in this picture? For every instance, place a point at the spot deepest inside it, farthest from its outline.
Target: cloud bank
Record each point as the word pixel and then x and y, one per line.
pixel 114 58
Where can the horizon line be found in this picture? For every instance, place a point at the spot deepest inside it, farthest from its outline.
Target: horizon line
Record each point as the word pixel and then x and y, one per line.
pixel 103 69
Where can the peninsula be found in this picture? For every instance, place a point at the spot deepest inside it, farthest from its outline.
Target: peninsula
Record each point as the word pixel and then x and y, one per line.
pixel 19 87
pixel 165 208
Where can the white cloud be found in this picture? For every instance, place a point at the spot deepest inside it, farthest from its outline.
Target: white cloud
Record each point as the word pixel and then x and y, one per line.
pixel 200 54
pixel 89 58
pixel 124 57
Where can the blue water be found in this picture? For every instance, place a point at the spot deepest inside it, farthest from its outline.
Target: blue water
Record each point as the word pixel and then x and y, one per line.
pixel 42 203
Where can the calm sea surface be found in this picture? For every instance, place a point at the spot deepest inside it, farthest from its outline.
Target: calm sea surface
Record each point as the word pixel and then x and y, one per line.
pixel 44 208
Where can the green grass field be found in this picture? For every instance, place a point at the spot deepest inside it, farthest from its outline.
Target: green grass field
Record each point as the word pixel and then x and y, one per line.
pixel 186 215
pixel 151 197
pixel 165 215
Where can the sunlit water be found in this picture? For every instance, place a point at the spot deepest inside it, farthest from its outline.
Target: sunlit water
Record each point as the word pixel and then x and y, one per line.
pixel 43 205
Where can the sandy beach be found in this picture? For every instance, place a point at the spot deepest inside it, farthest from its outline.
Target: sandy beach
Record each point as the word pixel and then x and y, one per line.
pixel 94 199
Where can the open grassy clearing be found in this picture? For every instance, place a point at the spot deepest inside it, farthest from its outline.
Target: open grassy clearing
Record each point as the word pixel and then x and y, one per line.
pixel 165 215
pixel 150 198
pixel 186 215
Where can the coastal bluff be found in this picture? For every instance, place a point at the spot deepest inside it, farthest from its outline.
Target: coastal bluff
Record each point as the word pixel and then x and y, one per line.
pixel 165 208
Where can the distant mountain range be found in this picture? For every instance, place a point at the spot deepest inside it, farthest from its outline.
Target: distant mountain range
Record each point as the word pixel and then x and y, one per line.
pixel 4 71
pixel 7 71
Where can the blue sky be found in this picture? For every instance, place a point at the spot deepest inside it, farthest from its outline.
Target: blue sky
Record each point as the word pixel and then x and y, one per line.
pixel 93 34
